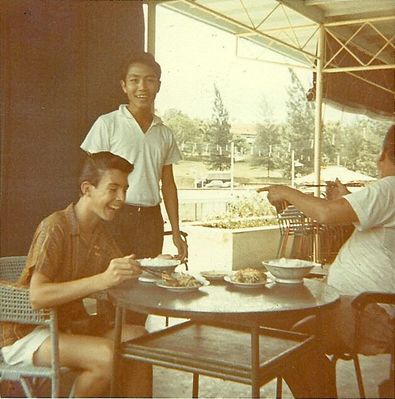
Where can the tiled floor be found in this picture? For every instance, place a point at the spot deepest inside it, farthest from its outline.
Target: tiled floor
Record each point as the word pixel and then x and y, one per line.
pixel 176 384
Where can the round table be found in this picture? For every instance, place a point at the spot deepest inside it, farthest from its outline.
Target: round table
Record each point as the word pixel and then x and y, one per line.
pixel 219 304
pixel 224 301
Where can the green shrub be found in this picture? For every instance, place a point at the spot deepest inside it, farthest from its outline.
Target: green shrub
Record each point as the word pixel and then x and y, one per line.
pixel 252 211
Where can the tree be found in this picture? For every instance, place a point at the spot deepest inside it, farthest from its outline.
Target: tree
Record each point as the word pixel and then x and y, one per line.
pixel 360 144
pixel 265 149
pixel 300 118
pixel 185 129
pixel 218 135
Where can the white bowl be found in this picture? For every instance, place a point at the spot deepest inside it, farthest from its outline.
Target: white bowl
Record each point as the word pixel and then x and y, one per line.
pixel 291 271
pixel 159 265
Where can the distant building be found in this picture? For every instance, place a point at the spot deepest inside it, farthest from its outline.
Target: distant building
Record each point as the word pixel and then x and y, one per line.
pixel 244 130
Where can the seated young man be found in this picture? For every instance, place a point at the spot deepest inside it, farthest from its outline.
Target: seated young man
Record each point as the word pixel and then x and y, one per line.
pixel 366 260
pixel 71 257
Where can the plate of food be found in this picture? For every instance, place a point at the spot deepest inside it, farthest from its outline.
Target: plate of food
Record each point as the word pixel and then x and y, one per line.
pixel 162 263
pixel 149 278
pixel 248 278
pixel 214 275
pixel 181 282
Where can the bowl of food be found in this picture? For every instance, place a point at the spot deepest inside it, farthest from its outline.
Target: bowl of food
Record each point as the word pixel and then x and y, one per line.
pixel 160 264
pixel 290 271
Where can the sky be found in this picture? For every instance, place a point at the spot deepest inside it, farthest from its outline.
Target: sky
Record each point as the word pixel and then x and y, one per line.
pixel 195 56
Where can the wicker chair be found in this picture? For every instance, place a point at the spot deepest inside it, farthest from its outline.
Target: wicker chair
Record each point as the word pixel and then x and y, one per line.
pixel 386 388
pixel 11 267
pixel 15 307
pixel 294 223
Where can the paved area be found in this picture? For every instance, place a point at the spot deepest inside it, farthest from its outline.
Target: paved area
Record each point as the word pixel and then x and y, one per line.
pixel 177 384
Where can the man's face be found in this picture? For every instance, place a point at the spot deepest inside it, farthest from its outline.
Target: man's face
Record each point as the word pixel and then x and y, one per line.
pixel 109 194
pixel 141 86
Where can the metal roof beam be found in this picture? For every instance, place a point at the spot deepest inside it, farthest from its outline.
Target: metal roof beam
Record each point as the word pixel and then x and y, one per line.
pixel 324 2
pixel 315 14
pixel 234 23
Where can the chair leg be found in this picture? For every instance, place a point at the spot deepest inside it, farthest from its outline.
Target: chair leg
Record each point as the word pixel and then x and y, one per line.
pixel 357 367
pixel 279 388
pixel 358 374
pixel 282 245
pixel 195 385
pixel 27 387
pixel 333 360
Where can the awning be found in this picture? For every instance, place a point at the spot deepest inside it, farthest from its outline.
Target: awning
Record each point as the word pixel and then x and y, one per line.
pixel 359 57
pixel 330 173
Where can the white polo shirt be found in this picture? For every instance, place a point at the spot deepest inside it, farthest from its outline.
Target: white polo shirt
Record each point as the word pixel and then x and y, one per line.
pixel 119 133
pixel 366 262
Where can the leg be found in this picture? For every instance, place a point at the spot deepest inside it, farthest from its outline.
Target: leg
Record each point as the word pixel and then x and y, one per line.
pixel 312 377
pixel 92 355
pixel 136 377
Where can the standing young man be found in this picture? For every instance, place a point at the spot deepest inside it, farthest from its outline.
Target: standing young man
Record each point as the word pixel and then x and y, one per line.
pixel 71 257
pixel 136 134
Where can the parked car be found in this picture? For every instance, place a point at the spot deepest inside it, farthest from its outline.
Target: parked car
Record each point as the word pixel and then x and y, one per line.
pixel 215 184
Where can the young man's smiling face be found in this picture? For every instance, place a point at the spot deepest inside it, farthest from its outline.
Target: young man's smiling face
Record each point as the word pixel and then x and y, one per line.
pixel 141 85
pixel 109 194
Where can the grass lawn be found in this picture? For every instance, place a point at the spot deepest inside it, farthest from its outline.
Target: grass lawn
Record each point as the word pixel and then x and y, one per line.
pixel 186 172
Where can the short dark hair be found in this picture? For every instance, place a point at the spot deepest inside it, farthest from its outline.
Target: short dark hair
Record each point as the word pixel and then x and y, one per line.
pixel 96 164
pixel 142 58
pixel 389 143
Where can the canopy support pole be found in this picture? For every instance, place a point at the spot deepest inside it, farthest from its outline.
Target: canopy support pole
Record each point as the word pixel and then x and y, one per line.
pixel 318 108
pixel 151 26
pixel 151 31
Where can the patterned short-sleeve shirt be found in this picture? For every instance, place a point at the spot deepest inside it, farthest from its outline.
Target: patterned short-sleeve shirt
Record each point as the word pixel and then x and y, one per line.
pixel 58 252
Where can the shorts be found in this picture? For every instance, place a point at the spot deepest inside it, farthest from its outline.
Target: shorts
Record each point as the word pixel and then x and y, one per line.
pixel 21 352
pixel 375 334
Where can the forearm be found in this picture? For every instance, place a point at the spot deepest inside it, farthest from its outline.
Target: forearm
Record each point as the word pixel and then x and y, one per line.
pixel 170 198
pixel 314 207
pixel 324 211
pixel 48 294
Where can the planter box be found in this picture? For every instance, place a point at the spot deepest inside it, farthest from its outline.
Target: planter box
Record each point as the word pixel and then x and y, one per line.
pixel 230 249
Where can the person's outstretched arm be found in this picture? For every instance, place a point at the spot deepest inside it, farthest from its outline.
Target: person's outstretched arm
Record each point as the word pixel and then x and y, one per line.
pixel 337 211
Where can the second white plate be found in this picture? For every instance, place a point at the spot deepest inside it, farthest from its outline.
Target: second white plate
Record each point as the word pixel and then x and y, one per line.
pixel 214 275
pixel 180 289
pixel 246 285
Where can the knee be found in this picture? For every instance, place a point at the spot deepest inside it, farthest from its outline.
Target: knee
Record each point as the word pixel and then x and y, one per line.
pixel 102 363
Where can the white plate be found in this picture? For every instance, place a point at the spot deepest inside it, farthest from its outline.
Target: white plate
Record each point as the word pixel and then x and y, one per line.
pixel 163 265
pixel 214 274
pixel 180 289
pixel 148 278
pixel 247 285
